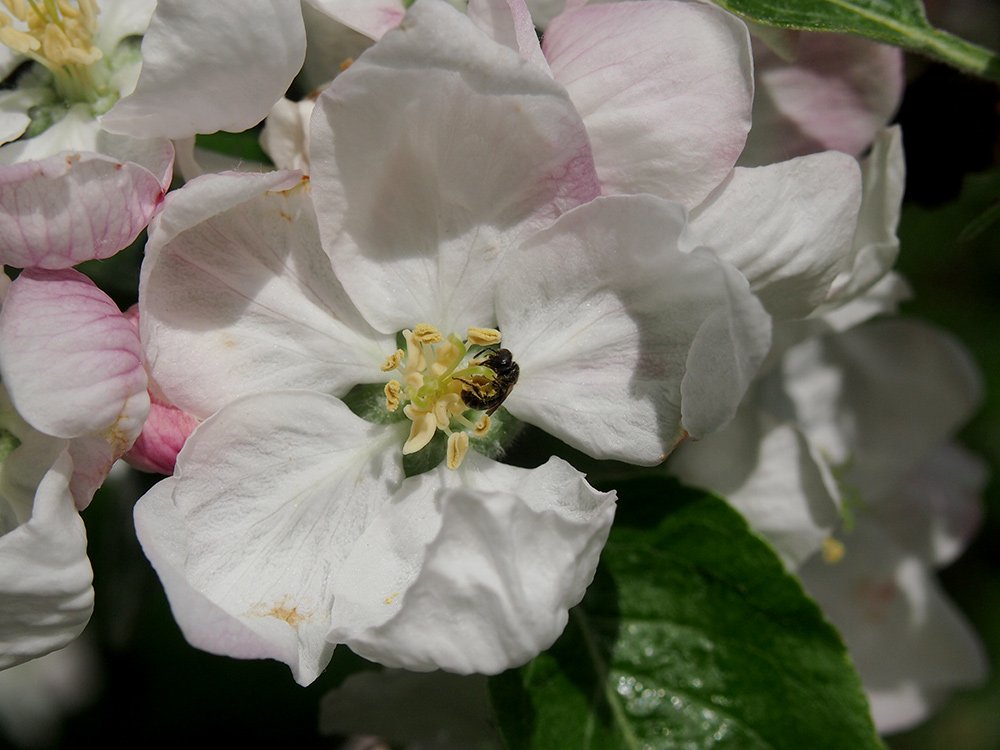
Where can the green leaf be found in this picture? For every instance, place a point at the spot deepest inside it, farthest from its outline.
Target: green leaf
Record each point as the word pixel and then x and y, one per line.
pixel 898 22
pixel 691 636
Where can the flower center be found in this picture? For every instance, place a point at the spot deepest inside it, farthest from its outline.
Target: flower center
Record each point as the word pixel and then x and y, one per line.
pixel 59 36
pixel 443 379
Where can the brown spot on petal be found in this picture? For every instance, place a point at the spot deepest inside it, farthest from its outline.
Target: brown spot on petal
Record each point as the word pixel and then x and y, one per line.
pixel 281 611
pixel 286 216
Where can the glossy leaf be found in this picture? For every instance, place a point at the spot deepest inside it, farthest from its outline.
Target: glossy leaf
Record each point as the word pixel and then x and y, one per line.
pixel 691 636
pixel 898 22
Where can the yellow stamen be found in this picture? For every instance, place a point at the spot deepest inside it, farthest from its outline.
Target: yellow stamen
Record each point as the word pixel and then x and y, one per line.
pixel 458 446
pixel 421 431
pixel 393 360
pixel 484 336
pixel 392 391
pixel 482 426
pixel 346 63
pixel 425 333
pixel 832 550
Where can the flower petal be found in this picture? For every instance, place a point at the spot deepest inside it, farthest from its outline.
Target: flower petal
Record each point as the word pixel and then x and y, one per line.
pixel 613 345
pixel 769 473
pixel 211 66
pixel 474 570
pixel 875 244
pixel 45 577
pixel 908 642
pixel 71 361
pixel 120 19
pixel 937 508
pixel 237 296
pixel 854 397
pixel 788 227
pixel 269 497
pixel 664 88
pixel 476 150
pixel 372 18
pixel 835 93
pixel 509 23
pixel 77 206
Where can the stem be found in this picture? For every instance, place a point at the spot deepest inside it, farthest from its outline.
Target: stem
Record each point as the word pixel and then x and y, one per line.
pixel 960 53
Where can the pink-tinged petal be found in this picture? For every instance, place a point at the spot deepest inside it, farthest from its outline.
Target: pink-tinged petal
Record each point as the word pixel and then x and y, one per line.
pixel 476 151
pixel 836 93
pixel 472 571
pixel 509 23
pixel 45 577
pixel 910 644
pixel 372 18
pixel 269 497
pixel 787 227
pixel 237 296
pixel 664 88
pixel 166 430
pixel 211 66
pixel 768 471
pixel 634 342
pixel 70 360
pixel 77 206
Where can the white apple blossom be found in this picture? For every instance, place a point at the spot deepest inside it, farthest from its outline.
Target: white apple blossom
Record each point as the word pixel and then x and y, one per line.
pixel 74 398
pixel 848 436
pixel 86 158
pixel 289 525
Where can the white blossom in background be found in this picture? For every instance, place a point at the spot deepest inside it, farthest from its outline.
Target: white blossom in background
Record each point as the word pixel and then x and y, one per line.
pixel 289 525
pixel 849 435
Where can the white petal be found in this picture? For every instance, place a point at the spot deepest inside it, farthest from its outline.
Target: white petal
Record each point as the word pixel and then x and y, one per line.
pixel 875 245
pixel 211 66
pixel 904 636
pixel 475 149
pixel 836 92
pixel 474 570
pixel 509 23
pixel 121 18
pixel 769 473
pixel 269 497
pixel 285 137
pixel 787 227
pixel 245 299
pixel 937 508
pixel 71 361
pixel 372 18
pixel 854 397
pixel 664 88
pixel 612 345
pixel 14 105
pixel 45 576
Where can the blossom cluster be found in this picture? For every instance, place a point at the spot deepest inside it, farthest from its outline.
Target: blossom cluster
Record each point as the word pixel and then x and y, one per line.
pixel 651 235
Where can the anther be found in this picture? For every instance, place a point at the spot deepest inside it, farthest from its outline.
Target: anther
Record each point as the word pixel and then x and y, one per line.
pixel 425 333
pixel 484 336
pixel 482 426
pixel 458 446
pixel 392 392
pixel 832 550
pixel 393 360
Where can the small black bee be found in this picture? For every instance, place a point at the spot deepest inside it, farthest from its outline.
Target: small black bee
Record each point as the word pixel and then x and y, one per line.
pixel 487 395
